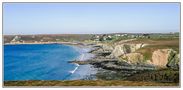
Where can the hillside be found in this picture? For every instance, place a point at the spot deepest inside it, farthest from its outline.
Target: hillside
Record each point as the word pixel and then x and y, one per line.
pixel 46 38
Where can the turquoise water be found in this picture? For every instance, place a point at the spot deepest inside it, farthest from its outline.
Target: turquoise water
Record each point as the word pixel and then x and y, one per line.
pixel 40 62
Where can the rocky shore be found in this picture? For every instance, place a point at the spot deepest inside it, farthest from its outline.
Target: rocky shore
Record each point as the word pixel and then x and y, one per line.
pixel 103 60
pixel 113 67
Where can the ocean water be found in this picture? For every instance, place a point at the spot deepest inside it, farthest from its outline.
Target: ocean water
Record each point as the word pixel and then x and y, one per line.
pixel 44 62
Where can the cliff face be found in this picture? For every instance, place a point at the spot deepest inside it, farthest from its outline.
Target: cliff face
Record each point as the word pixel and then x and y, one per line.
pixel 173 61
pixel 160 57
pixel 107 47
pixel 125 48
pixel 132 58
pixel 165 58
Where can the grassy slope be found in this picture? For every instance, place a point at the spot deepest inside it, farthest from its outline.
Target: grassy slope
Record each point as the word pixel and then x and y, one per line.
pixel 86 83
pixel 155 44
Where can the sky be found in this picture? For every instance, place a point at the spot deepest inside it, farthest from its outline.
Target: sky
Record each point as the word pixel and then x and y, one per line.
pixel 90 18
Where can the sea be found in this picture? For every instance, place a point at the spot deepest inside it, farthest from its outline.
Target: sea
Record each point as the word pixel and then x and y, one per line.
pixel 45 62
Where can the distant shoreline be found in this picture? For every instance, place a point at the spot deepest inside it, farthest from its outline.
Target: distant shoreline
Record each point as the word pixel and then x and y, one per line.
pixel 68 43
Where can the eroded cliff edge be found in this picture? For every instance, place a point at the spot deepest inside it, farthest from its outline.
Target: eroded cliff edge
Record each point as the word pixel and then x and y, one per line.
pixel 155 60
pixel 154 54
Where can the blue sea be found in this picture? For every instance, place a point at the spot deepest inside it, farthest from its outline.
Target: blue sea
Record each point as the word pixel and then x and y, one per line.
pixel 44 62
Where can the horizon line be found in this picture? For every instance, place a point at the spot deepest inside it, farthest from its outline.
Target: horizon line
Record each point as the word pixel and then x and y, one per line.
pixel 94 33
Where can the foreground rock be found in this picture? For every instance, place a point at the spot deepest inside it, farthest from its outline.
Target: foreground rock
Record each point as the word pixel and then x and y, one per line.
pixel 164 75
pixel 120 66
pixel 115 64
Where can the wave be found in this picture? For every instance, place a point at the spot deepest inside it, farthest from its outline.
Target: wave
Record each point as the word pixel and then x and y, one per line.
pixel 73 70
pixel 84 55
pixel 77 65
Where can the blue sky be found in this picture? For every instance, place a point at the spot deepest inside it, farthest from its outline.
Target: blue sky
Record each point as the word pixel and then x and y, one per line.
pixel 81 18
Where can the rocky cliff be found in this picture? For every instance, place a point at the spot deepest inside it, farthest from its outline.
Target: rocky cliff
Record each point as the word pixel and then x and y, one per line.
pixel 126 48
pixel 165 58
pixel 160 57
pixel 132 58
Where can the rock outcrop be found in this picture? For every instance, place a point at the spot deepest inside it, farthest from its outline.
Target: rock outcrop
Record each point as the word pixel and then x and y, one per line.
pixel 173 60
pixel 125 48
pixel 132 58
pixel 107 47
pixel 162 58
pixel 126 52
pixel 165 58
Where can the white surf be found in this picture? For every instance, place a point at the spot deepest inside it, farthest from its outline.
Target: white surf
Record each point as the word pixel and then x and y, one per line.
pixel 74 70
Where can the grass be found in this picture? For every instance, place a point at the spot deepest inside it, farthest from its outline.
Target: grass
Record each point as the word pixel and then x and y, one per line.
pixel 114 40
pixel 155 44
pixel 86 83
pixel 148 50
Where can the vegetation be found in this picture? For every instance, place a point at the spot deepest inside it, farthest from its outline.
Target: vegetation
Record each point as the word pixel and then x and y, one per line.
pixel 162 75
pixel 145 37
pixel 157 44
pixel 86 83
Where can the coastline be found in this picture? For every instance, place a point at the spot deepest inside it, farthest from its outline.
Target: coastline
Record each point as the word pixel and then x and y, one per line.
pixel 108 69
pixel 112 69
pixel 67 43
pixel 83 72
